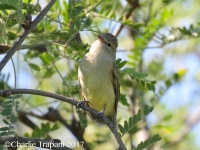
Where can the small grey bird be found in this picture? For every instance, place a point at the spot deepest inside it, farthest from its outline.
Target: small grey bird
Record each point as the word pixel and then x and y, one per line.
pixel 98 77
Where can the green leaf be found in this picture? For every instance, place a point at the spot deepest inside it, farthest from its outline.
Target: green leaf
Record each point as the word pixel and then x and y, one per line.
pixel 78 9
pixel 121 128
pixel 134 74
pixel 6 122
pixel 82 117
pixel 6 112
pixel 30 7
pixel 11 132
pixel 7 102
pixel 151 109
pixel 27 135
pixel 142 83
pixel 4 129
pixel 149 87
pixel 134 120
pixel 123 100
pixel 153 88
pixel 130 122
pixel 55 127
pixel 129 70
pixel 9 4
pixel 153 82
pixel 125 126
pixel 3 133
pixel 45 59
pixel 118 61
pixel 87 22
pixel 8 106
pixel 11 35
pixel 12 20
pixel 13 118
pixel 147 110
pixel 148 142
pixel 121 64
pixel 119 134
pixel 168 83
pixel 139 75
pixel 45 127
pixel 16 104
pixel 11 127
pixel 34 67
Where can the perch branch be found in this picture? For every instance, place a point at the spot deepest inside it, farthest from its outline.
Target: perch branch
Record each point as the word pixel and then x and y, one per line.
pixel 5 93
pixel 25 34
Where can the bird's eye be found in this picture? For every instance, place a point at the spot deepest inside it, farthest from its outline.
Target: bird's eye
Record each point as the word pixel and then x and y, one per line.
pixel 108 44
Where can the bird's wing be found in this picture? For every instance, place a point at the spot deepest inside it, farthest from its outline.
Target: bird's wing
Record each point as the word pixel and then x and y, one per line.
pixel 116 85
pixel 83 98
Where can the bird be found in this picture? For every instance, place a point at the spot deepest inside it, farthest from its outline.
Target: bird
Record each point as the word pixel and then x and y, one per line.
pixel 98 78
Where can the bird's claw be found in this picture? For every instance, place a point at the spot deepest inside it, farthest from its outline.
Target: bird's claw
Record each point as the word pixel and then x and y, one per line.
pixel 82 102
pixel 100 116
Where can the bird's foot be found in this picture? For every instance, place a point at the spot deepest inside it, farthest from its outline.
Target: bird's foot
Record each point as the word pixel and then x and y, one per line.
pixel 82 102
pixel 100 116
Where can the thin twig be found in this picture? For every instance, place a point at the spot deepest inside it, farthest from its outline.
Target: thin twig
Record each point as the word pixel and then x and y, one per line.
pixel 15 73
pixel 25 34
pixel 59 74
pixel 73 101
pixel 134 4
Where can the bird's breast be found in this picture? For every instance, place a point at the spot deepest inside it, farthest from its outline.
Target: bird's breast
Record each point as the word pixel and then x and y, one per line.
pixel 95 80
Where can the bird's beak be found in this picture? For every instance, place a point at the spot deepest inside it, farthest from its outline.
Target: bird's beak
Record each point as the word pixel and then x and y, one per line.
pixel 101 39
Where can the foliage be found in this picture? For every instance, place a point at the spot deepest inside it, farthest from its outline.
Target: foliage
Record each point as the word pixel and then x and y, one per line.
pixel 132 121
pixel 10 114
pixel 155 34
pixel 140 77
pixel 82 117
pixel 43 131
pixel 148 142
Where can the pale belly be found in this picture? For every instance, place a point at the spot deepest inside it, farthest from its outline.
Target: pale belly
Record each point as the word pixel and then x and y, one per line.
pixel 99 92
pixel 95 80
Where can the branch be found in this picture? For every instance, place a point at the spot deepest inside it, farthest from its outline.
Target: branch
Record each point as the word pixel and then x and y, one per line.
pixel 25 34
pixel 12 142
pixel 24 119
pixel 134 4
pixel 5 93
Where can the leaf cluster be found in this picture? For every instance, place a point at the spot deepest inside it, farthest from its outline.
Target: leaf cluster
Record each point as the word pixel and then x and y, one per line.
pixel 140 77
pixel 128 125
pixel 10 113
pixel 148 142
pixel 42 131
